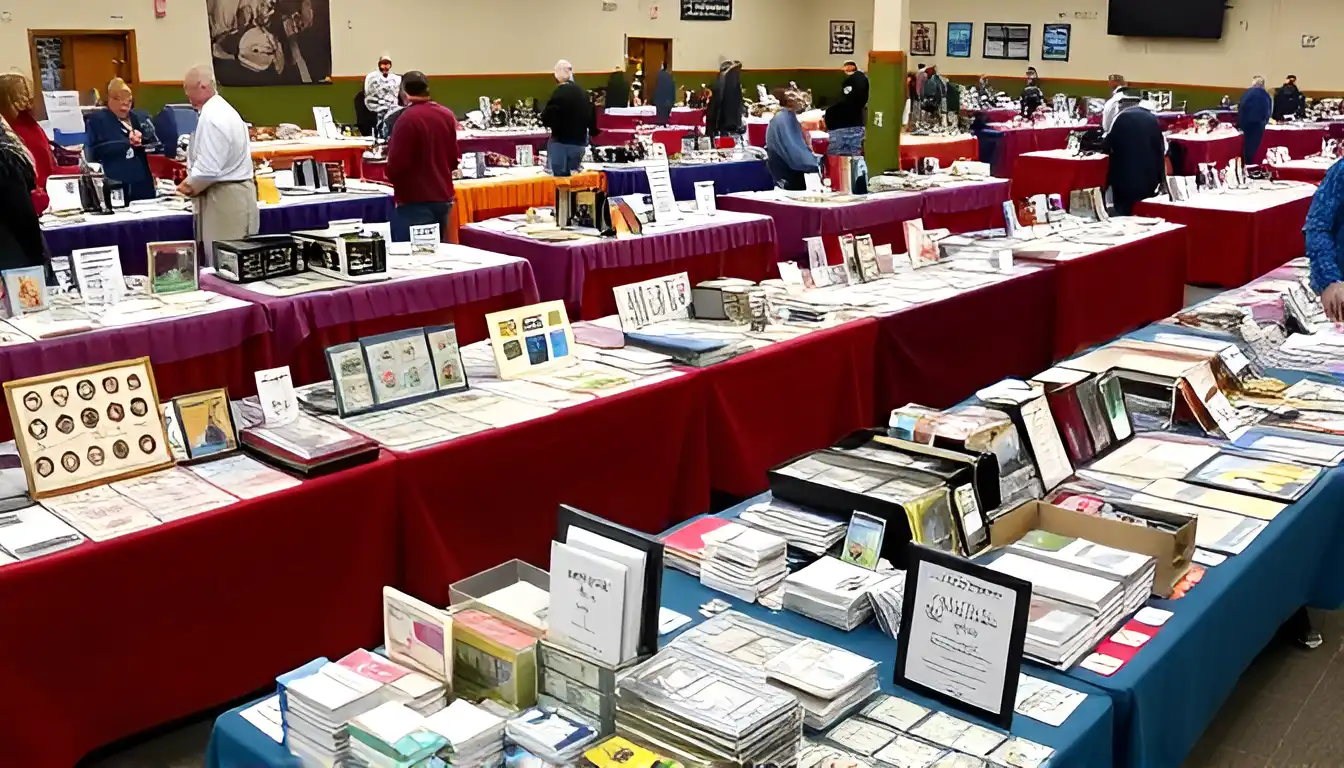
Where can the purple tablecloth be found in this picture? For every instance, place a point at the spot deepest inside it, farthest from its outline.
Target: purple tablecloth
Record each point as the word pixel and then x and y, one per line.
pixel 795 221
pixel 728 177
pixel 503 144
pixel 560 267
pixel 294 318
pixel 966 197
pixel 163 341
pixel 131 236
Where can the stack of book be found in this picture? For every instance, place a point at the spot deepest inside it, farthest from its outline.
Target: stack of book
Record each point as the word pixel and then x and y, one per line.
pixel 477 737
pixel 743 562
pixel 802 528
pixel 1071 610
pixel 317 707
pixel 1135 571
pixel 684 548
pixel 421 693
pixel 834 592
pixel 687 349
pixel 888 599
pixel 700 712
pixel 556 736
pixel 392 735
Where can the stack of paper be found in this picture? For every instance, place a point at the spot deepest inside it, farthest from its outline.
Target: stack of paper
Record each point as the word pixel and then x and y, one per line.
pixel 684 548
pixel 1134 571
pixel 317 708
pixel 391 735
pixel 33 532
pixel 419 692
pixel 556 736
pixel 743 562
pixel 888 599
pixel 802 528
pixel 699 711
pixel 477 736
pixel 834 592
pixel 1071 611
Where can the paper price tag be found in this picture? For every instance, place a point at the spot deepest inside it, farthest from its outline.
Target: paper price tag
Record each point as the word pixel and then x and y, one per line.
pixel 812 182
pixel 275 391
pixel 425 238
pixel 704 197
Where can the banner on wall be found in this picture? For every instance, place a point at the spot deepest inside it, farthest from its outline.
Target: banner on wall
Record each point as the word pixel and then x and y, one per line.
pixel 270 42
pixel 842 37
pixel 1055 42
pixel 706 10
pixel 959 39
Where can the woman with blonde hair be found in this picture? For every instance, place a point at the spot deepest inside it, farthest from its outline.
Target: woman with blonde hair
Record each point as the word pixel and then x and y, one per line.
pixel 118 138
pixel 16 108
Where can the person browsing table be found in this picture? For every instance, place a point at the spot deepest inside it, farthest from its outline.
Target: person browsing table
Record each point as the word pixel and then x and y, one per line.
pixel 787 153
pixel 21 243
pixel 1324 230
pixel 572 121
pixel 219 167
pixel 845 120
pixel 117 139
pixel 16 107
pixel 421 157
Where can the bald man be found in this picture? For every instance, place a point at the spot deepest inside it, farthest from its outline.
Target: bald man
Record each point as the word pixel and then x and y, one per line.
pixel 219 167
pixel 572 121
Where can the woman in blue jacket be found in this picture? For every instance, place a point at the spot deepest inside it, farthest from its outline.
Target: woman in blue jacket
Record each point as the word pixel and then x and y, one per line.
pixel 118 138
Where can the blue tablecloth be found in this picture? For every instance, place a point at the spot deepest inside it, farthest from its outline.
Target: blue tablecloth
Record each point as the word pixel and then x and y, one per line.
pixel 131 235
pixel 235 743
pixel 730 177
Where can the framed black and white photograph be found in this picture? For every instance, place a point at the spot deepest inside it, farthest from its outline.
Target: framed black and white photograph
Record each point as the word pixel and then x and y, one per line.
pixel 706 10
pixel 1055 42
pixel 1007 41
pixel 270 42
pixel 923 37
pixel 842 37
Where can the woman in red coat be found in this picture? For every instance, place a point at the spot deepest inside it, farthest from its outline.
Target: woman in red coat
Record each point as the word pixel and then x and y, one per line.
pixel 16 106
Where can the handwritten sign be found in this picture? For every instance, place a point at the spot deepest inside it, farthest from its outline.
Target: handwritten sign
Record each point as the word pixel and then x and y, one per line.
pixel 962 631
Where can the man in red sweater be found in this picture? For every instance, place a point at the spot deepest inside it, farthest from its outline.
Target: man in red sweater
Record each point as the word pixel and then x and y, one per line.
pixel 421 158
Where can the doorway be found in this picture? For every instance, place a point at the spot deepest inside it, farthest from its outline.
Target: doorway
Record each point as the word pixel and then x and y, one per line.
pixel 83 60
pixel 644 57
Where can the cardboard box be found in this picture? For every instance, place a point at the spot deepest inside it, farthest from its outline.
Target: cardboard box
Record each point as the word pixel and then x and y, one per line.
pixel 1172 550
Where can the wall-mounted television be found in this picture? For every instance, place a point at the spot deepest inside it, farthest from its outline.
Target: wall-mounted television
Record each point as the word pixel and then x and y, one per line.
pixel 1166 18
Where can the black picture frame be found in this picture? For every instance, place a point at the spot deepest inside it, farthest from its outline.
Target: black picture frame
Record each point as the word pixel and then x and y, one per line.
pixel 1050 52
pixel 1000 32
pixel 930 30
pixel 706 10
pixel 842 34
pixel 653 564
pixel 916 556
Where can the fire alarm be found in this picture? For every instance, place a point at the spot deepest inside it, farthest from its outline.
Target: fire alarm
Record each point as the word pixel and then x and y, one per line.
pixel 160 8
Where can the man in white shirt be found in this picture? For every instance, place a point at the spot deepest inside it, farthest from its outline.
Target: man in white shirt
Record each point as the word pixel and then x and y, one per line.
pixel 1112 107
pixel 382 89
pixel 219 167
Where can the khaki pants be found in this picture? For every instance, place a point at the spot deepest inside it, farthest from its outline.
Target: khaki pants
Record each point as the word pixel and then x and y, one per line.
pixel 226 210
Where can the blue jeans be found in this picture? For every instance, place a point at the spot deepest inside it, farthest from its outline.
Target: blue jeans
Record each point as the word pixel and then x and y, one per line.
pixel 419 214
pixel 564 159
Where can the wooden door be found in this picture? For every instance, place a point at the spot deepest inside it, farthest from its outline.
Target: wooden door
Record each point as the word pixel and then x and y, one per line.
pixel 97 59
pixel 655 53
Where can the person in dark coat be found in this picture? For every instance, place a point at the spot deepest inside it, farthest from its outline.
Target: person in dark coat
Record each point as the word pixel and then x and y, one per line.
pixel 846 118
pixel 724 116
pixel 1253 113
pixel 21 243
pixel 118 138
pixel 1138 158
pixel 1289 101
pixel 664 95
pixel 1032 94
pixel 788 154
pixel 618 93
pixel 572 121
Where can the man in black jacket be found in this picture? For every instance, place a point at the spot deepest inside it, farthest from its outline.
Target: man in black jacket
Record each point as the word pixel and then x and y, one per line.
pixel 723 117
pixel 1289 101
pixel 1138 158
pixel 846 118
pixel 572 121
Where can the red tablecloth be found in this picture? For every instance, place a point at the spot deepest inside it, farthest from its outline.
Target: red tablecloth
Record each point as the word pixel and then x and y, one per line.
pixel 1115 290
pixel 756 403
pixel 1299 141
pixel 637 458
pixel 1193 150
pixel 109 639
pixel 1015 141
pixel 1234 239
pixel 968 207
pixel 1310 173
pixel 947 149
pixel 670 138
pixel 680 116
pixel 1057 172
pixel 583 272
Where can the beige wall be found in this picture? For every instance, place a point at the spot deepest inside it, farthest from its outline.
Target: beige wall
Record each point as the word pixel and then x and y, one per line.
pixel 1259 37
pixel 471 36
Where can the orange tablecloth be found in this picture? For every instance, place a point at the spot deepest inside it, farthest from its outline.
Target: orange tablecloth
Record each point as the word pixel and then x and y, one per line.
pixel 947 149
pixel 281 154
pixel 481 199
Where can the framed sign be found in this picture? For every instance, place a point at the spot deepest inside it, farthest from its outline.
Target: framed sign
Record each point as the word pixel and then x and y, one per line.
pixel 923 37
pixel 842 37
pixel 1055 42
pixel 963 627
pixel 1007 41
pixel 959 39
pixel 706 10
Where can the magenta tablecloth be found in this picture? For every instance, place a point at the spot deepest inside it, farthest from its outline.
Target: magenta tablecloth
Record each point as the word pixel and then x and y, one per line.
pixel 1015 140
pixel 680 116
pixel 1195 150
pixel 504 143
pixel 560 267
pixel 966 197
pixel 294 318
pixel 795 221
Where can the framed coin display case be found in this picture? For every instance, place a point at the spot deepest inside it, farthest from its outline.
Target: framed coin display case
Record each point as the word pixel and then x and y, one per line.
pixel 86 427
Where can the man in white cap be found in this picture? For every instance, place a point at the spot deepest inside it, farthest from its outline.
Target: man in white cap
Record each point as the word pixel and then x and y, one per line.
pixel 382 89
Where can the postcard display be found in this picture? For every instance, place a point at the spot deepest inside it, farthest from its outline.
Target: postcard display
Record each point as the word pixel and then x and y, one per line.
pixel 397 368
pixel 532 339
pixel 87 427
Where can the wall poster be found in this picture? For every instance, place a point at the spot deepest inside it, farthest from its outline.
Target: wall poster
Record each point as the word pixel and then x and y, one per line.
pixel 270 42
pixel 959 39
